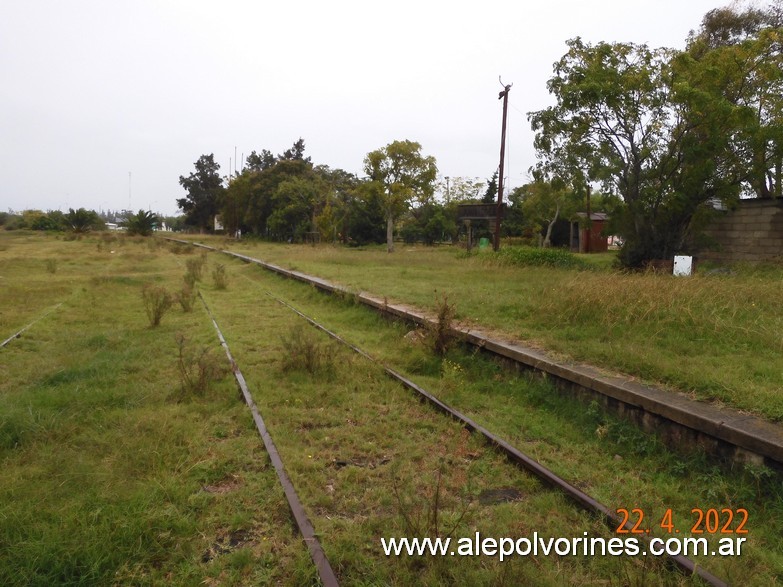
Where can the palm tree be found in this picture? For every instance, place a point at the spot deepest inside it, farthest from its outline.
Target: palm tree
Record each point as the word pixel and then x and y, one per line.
pixel 82 220
pixel 142 223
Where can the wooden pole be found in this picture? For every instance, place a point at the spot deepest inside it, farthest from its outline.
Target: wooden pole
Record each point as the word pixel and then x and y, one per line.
pixel 504 96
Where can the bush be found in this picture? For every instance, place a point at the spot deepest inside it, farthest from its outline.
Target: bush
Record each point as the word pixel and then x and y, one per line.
pixel 198 368
pixel 82 221
pixel 187 297
pixel 194 269
pixel 440 333
pixel 303 351
pixel 219 276
pixel 157 301
pixel 180 249
pixel 527 256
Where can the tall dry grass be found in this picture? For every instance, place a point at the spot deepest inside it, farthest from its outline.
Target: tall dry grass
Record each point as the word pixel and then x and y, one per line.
pixel 704 308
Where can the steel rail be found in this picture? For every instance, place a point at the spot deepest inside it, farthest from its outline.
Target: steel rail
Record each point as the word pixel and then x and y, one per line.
pixel 18 334
pixel 722 428
pixel 516 456
pixel 317 554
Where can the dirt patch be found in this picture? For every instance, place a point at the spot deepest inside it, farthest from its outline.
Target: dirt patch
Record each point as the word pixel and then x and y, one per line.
pixel 227 485
pixel 364 463
pixel 225 544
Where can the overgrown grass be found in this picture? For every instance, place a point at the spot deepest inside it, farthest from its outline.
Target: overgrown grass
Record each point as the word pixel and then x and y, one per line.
pixel 186 297
pixel 607 458
pixel 219 276
pixel 108 480
pixel 718 337
pixel 198 367
pixel 303 350
pixel 440 332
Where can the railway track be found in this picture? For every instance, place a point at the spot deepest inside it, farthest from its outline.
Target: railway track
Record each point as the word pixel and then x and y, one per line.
pixel 325 572
pixel 728 434
pixel 19 333
pixel 513 455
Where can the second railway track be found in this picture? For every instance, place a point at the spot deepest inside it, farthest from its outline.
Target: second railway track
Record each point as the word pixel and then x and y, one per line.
pixel 332 429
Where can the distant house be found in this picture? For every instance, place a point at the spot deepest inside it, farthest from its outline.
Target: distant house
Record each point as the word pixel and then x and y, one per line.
pixel 589 240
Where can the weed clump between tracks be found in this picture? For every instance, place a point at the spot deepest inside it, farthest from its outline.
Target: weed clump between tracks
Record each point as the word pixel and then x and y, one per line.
pixel 197 367
pixel 157 301
pixel 303 351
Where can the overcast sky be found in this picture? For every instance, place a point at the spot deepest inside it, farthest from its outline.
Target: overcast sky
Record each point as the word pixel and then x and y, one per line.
pixel 104 104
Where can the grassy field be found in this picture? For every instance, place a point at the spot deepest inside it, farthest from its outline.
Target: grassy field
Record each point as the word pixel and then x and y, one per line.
pixel 108 478
pixel 116 472
pixel 714 336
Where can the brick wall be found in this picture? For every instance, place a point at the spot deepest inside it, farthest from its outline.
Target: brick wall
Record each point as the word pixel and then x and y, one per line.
pixel 752 232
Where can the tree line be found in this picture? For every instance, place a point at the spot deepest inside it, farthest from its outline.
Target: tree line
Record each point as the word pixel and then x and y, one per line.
pixel 287 197
pixel 82 221
pixel 663 137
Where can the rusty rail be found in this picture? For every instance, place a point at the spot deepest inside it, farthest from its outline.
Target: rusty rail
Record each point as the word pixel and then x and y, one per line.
pixel 18 334
pixel 325 572
pixel 516 456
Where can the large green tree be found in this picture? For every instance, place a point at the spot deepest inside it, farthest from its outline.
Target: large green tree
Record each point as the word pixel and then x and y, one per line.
pixel 260 161
pixel 266 194
pixel 204 188
pixel 400 174
pixel 339 195
pixel 366 220
pixel 671 132
pixel 295 153
pixel 278 197
pixel 737 56
pixel 295 202
pixel 491 194
pixel 627 118
pixel 461 189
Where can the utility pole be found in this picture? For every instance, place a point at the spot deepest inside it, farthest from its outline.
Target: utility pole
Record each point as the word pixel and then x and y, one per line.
pixel 504 96
pixel 589 223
